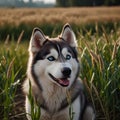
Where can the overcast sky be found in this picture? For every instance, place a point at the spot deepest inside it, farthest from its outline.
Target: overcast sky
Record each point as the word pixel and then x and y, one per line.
pixel 46 1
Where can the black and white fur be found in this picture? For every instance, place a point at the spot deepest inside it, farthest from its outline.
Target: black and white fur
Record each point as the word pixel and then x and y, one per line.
pixel 53 70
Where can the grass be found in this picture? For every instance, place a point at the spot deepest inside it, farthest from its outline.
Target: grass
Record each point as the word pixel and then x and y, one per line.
pixel 99 51
pixel 59 15
pixel 35 109
pixel 100 73
pixel 51 20
pixel 12 72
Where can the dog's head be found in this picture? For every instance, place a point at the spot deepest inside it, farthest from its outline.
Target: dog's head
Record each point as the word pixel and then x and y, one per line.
pixel 54 59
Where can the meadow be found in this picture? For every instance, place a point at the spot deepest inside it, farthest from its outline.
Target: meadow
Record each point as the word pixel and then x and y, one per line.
pixel 98 35
pixel 51 20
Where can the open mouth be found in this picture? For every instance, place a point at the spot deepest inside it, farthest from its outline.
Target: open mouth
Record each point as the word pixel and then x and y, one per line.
pixel 62 81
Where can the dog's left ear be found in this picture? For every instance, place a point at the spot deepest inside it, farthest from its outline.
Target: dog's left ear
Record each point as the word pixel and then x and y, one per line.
pixel 68 35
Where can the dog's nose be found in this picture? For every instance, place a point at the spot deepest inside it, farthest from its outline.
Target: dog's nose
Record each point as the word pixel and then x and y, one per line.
pixel 66 71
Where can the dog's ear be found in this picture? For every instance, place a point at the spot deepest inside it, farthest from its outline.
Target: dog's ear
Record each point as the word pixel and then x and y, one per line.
pixel 37 40
pixel 68 35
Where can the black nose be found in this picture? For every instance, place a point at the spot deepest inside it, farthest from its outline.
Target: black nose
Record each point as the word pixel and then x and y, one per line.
pixel 66 71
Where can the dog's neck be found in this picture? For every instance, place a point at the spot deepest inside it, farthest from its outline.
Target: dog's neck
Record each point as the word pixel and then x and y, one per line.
pixel 53 95
pixel 55 98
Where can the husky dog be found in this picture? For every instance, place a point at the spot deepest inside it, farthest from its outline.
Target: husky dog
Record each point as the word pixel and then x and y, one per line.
pixel 53 70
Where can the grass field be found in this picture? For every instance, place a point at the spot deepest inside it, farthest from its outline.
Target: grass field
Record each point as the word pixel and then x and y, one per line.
pixel 99 52
pixel 59 15
pixel 51 20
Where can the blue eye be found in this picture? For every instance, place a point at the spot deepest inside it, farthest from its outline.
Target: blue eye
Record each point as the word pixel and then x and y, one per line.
pixel 51 58
pixel 68 57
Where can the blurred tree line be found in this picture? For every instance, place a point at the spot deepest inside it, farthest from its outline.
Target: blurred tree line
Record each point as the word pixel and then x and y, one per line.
pixel 23 3
pixel 68 3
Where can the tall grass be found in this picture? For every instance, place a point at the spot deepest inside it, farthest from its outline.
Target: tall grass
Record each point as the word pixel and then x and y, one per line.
pixel 100 72
pixel 13 60
pixel 35 109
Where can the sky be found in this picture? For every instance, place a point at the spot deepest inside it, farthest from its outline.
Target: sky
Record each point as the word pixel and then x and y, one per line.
pixel 45 1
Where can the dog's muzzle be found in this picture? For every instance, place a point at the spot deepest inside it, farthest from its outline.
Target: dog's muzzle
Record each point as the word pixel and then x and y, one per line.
pixel 64 80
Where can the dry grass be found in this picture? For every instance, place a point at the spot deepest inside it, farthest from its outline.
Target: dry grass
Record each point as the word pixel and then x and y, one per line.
pixel 17 16
pixel 100 57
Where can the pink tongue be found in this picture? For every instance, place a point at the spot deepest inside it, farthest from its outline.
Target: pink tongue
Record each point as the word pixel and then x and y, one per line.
pixel 64 82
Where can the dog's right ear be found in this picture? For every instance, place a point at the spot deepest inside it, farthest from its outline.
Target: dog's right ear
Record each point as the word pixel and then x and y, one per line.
pixel 37 40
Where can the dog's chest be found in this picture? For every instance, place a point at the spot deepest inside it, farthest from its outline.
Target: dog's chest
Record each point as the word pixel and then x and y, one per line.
pixel 54 97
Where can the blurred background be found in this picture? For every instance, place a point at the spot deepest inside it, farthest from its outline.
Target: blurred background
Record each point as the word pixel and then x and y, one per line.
pixel 53 3
pixel 96 24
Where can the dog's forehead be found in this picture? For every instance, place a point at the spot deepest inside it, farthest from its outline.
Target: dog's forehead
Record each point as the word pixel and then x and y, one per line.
pixel 57 52
pixel 57 45
pixel 60 46
pixel 51 46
